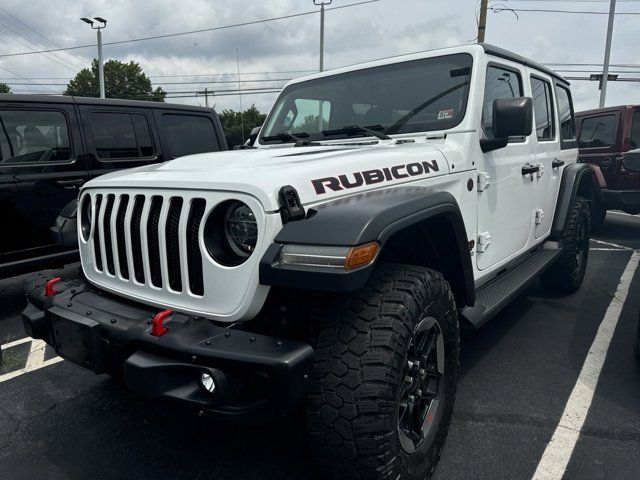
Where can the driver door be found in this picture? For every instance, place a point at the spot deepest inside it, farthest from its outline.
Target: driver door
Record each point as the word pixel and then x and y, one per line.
pixel 505 208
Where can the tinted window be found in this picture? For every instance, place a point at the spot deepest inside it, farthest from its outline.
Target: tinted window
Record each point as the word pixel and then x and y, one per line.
pixel 189 134
pixel 635 131
pixel 416 96
pixel 29 136
pixel 565 113
pixel 598 132
pixel 121 135
pixel 500 83
pixel 542 108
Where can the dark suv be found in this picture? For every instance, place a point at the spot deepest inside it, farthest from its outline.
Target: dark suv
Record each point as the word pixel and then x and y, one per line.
pixel 51 145
pixel 606 137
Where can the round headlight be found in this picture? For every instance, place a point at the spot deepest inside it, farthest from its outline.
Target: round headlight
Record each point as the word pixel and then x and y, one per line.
pixel 231 233
pixel 86 212
pixel 241 229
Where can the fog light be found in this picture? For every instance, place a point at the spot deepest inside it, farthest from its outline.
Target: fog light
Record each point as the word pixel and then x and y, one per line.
pixel 207 383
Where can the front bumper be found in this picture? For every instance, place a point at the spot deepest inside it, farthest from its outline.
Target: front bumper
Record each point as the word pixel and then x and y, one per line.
pixel 625 200
pixel 106 334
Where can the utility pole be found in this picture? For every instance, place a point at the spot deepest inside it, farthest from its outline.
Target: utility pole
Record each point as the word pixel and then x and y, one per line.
pixel 206 93
pixel 98 23
pixel 482 22
pixel 322 4
pixel 240 95
pixel 607 53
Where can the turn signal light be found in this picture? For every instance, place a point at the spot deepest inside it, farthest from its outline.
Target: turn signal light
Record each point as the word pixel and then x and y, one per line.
pixel 361 255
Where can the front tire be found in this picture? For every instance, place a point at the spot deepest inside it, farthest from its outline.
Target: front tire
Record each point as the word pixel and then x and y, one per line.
pixel 567 273
pixel 383 387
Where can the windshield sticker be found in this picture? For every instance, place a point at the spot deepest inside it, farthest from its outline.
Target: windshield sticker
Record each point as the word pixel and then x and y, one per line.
pixel 368 177
pixel 445 114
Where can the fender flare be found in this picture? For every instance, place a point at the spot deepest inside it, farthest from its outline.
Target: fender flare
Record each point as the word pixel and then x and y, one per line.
pixel 573 176
pixel 359 219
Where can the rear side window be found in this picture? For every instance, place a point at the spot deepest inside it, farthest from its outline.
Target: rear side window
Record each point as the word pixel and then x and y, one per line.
pixel 29 136
pixel 566 116
pixel 635 131
pixel 189 134
pixel 500 83
pixel 542 109
pixel 121 135
pixel 598 132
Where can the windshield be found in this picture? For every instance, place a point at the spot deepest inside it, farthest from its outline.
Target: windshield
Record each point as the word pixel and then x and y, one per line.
pixel 416 96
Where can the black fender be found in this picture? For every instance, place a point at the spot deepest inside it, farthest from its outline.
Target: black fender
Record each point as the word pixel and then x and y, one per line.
pixel 577 177
pixel 356 220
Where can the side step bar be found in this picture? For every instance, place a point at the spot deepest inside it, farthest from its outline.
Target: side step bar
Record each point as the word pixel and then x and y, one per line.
pixel 496 294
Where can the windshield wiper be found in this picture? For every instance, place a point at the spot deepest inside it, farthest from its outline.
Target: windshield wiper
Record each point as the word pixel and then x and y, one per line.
pixel 400 123
pixel 297 138
pixel 372 130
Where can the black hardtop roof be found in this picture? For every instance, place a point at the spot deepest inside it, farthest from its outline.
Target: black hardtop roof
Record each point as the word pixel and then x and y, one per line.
pixel 53 99
pixel 596 111
pixel 514 57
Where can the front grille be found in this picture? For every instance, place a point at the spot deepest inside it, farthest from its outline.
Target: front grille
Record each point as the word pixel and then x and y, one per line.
pixel 149 238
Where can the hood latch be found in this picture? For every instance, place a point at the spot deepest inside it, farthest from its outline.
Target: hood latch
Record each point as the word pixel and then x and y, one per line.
pixel 290 206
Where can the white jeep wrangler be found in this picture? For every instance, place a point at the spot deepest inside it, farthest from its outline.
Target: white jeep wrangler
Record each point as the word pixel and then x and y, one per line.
pixel 331 265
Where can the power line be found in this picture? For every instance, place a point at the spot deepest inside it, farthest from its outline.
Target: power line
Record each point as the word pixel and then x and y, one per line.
pixel 202 82
pixel 187 75
pixel 545 10
pixel 169 35
pixel 17 75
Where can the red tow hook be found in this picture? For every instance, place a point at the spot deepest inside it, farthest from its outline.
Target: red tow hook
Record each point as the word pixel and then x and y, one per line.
pixel 49 291
pixel 157 329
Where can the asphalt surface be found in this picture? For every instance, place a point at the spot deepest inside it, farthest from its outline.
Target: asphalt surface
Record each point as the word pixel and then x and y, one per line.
pixel 60 422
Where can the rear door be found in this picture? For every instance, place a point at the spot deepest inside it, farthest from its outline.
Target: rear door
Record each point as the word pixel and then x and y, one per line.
pixel 598 140
pixel 41 169
pixel 119 138
pixel 187 133
pixel 505 209
pixel 546 146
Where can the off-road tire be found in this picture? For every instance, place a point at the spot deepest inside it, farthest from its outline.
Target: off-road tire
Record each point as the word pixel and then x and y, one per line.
pixel 361 345
pixel 567 273
pixel 597 215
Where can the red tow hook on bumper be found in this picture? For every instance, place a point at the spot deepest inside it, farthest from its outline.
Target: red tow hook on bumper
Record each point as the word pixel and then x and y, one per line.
pixel 157 328
pixel 49 291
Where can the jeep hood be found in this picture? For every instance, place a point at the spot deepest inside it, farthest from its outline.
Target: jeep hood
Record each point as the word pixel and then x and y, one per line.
pixel 317 173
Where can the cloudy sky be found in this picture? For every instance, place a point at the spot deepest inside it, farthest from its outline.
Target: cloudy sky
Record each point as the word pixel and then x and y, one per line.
pixel 271 52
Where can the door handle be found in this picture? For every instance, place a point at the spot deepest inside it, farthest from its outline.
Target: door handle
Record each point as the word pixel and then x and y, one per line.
pixel 557 163
pixel 70 184
pixel 528 169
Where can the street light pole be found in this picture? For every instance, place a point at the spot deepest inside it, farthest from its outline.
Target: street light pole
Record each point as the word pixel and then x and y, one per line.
pixel 322 4
pixel 607 53
pixel 482 21
pixel 98 23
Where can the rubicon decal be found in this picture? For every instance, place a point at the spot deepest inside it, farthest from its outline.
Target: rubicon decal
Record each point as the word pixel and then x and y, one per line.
pixel 378 175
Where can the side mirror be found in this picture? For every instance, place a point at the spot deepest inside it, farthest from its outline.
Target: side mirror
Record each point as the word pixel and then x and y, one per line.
pixel 631 161
pixel 512 117
pixel 253 136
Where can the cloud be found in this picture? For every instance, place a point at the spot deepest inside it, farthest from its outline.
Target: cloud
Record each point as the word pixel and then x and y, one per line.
pixel 353 35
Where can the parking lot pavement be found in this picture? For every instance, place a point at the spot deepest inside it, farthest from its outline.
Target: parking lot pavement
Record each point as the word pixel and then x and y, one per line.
pixel 517 374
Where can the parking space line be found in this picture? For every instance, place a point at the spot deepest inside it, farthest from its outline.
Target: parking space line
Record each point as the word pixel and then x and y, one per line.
pixel 31 368
pixel 17 342
pixel 556 456
pixel 615 245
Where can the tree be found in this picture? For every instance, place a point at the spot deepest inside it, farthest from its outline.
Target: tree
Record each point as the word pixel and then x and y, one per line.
pixel 121 80
pixel 4 88
pixel 233 128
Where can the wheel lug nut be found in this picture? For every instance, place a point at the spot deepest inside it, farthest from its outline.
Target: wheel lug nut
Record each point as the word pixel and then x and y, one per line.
pixel 411 398
pixel 408 380
pixel 409 364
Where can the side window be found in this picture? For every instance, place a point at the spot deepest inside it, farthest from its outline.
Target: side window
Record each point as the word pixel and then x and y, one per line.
pixel 500 83
pixel 121 135
pixel 598 132
pixel 188 134
pixel 567 119
pixel 30 136
pixel 635 131
pixel 543 109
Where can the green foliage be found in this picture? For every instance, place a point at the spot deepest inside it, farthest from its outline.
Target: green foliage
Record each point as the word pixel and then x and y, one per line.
pixel 310 125
pixel 232 128
pixel 121 80
pixel 4 88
